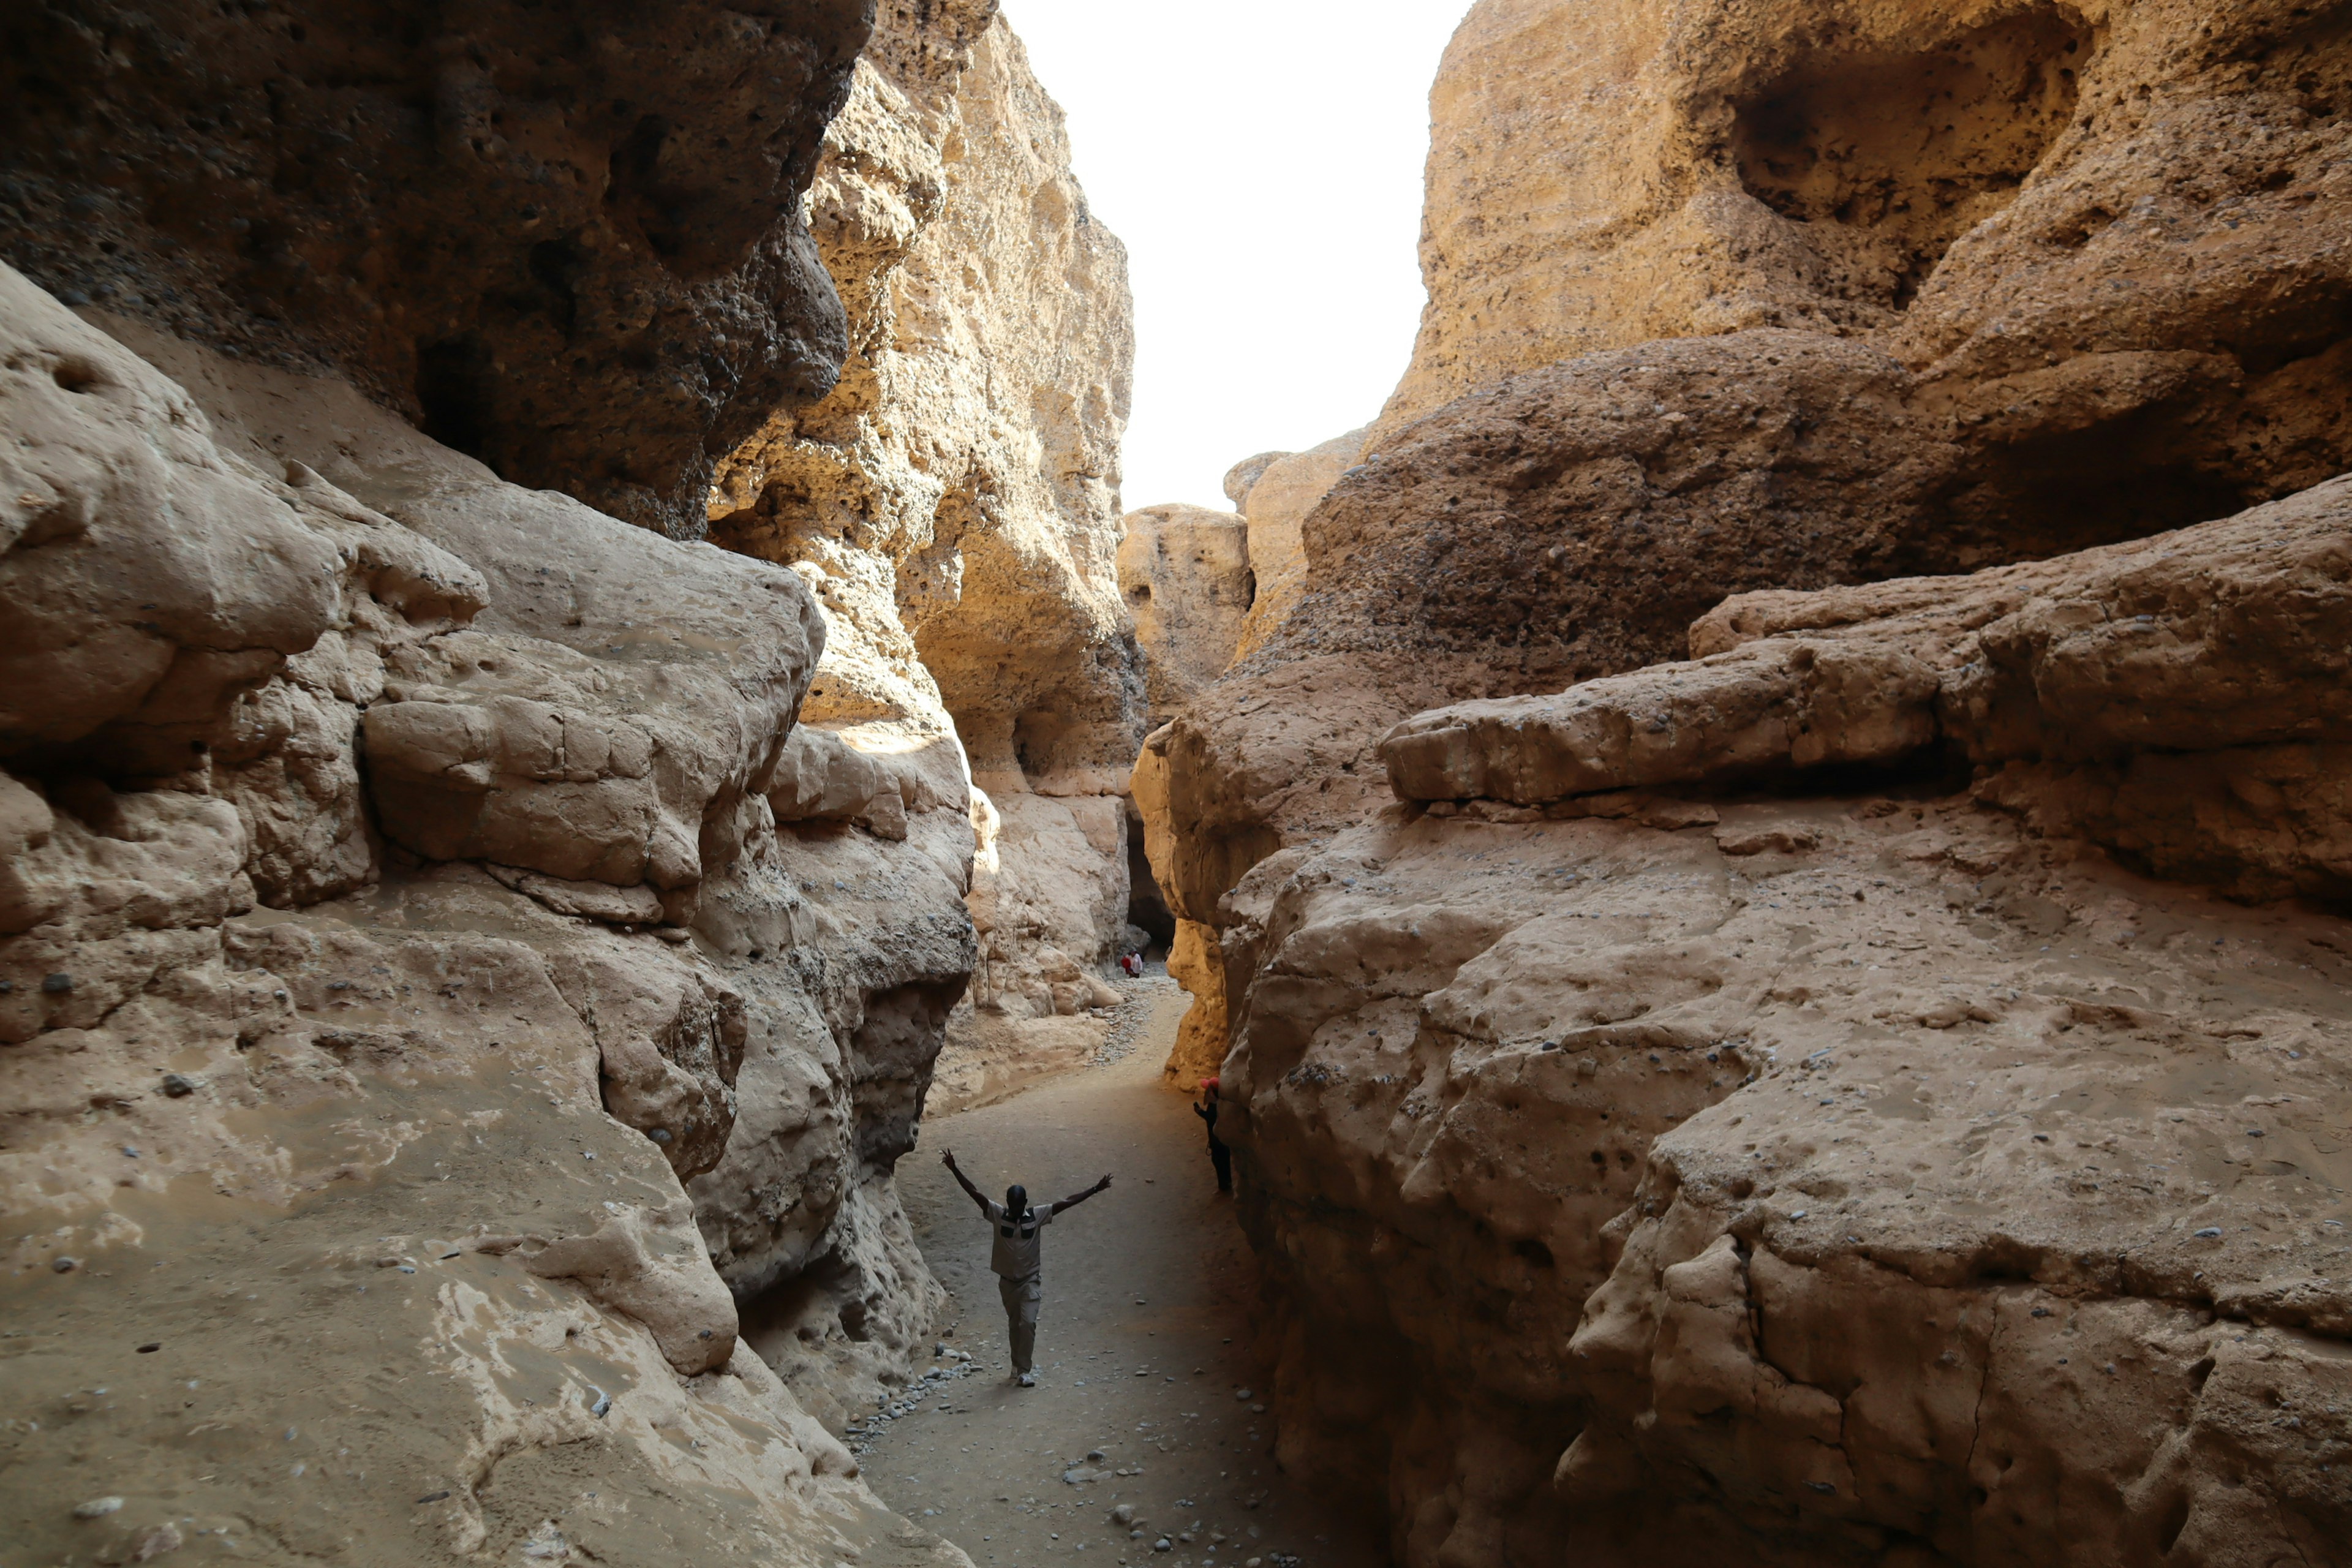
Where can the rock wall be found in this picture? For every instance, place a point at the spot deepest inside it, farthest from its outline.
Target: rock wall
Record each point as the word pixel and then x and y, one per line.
pixel 538 932
pixel 573 253
pixel 2140 338
pixel 422 876
pixel 954 501
pixel 1838 1174
pixel 1605 175
pixel 1186 574
pixel 1852 1073
pixel 1274 491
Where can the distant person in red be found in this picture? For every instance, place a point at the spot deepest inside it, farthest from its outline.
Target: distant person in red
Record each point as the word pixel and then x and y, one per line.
pixel 1219 1155
pixel 1017 1223
pixel 1131 966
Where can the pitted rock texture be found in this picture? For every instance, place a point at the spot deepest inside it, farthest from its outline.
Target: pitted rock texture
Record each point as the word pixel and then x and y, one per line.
pixel 954 502
pixel 569 246
pixel 1852 1179
pixel 1187 577
pixel 435 922
pixel 1768 1063
pixel 1988 184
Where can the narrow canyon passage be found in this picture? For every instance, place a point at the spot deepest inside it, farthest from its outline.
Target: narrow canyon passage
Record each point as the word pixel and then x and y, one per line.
pixel 1143 1353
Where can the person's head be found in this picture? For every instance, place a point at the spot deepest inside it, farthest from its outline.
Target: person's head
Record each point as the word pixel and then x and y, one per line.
pixel 1208 1088
pixel 1017 1200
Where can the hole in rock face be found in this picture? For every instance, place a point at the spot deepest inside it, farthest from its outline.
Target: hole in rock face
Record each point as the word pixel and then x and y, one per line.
pixel 1911 150
pixel 2174 1519
pixel 453 390
pixel 76 375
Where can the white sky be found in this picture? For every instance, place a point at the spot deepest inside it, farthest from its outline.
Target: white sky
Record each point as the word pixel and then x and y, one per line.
pixel 1261 158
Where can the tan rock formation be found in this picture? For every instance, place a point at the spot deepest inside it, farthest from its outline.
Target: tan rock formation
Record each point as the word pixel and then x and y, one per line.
pixel 1604 176
pixel 1570 521
pixel 1800 1176
pixel 1186 574
pixel 1282 488
pixel 1812 1101
pixel 954 502
pixel 450 1029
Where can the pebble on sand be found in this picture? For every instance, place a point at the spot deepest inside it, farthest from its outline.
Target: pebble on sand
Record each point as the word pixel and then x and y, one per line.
pixel 164 1537
pixel 97 1508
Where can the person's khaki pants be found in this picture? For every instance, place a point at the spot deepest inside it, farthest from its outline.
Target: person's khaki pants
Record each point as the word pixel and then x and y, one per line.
pixel 1021 1298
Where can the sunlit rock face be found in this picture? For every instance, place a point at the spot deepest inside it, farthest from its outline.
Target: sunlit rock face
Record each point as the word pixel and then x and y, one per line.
pixel 954 501
pixel 1771 915
pixel 1188 578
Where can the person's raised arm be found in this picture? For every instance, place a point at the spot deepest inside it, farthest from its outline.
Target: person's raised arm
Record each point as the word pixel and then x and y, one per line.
pixel 1076 1198
pixel 947 1159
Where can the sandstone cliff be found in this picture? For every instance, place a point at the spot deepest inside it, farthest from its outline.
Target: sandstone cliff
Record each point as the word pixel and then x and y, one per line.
pixel 1851 1072
pixel 420 873
pixel 470 966
pixel 1274 491
pixel 954 501
pixel 1189 582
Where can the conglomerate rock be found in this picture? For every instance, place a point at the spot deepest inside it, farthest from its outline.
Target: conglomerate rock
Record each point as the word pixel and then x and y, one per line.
pixel 954 501
pixel 568 243
pixel 394 871
pixel 1771 918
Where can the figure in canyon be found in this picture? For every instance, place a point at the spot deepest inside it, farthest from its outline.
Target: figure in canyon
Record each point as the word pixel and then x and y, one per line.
pixel 1219 1155
pixel 1018 1227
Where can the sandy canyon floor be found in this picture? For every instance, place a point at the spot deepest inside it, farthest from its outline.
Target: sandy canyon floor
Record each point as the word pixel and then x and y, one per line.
pixel 1147 1395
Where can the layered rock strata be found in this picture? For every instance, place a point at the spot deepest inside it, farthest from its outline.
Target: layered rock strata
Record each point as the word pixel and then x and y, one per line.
pixel 1838 1173
pixel 1820 1084
pixel 426 875
pixel 954 501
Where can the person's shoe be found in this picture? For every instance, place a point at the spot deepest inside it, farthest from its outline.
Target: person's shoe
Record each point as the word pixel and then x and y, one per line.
pixel 1027 1379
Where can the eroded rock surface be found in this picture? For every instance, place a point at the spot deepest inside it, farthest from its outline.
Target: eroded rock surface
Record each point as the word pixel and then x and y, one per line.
pixel 1838 1172
pixel 954 503
pixel 1187 575
pixel 1571 519
pixel 404 884
pixel 1845 1178
pixel 2091 179
pixel 1774 907
pixel 571 247
pixel 1276 490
